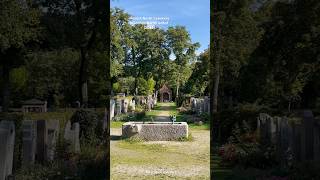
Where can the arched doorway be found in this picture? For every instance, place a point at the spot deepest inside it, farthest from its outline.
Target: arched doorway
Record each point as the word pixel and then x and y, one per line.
pixel 166 97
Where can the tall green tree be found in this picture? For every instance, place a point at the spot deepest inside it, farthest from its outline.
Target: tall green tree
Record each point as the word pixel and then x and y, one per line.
pixel 83 26
pixel 19 28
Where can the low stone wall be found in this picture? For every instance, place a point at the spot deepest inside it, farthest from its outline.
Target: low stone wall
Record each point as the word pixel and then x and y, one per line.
pixel 155 131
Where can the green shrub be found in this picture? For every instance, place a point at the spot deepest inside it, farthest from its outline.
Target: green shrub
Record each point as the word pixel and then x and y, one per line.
pixel 89 124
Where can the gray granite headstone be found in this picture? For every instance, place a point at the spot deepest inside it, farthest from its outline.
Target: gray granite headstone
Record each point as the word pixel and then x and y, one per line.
pixel 71 134
pixel 133 105
pixel 52 137
pixel 29 141
pixel 307 135
pixel 316 145
pixel 125 105
pixel 41 153
pixel 76 139
pixel 7 137
pixel 112 107
pixel 118 107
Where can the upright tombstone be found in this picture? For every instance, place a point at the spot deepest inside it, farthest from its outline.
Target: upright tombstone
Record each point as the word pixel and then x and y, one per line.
pixel 207 104
pixel 265 126
pixel 118 107
pixel 41 153
pixel 29 141
pixel 71 133
pixel 7 137
pixel 112 107
pixel 52 128
pixel 149 102
pixel 133 105
pixel 283 143
pixel 297 129
pixel 307 135
pixel 125 105
pixel 76 138
pixel 316 145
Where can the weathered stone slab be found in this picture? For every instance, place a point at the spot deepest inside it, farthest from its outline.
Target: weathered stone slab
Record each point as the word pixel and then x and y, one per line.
pixel 53 128
pixel 112 108
pixel 125 105
pixel 155 131
pixel 29 141
pixel 7 137
pixel 307 135
pixel 41 153
pixel 118 107
pixel 71 134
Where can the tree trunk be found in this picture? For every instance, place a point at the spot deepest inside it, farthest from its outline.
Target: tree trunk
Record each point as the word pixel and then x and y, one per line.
pixel 6 88
pixel 216 87
pixel 83 78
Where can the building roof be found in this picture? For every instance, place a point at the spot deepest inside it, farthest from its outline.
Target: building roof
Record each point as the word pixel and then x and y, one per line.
pixel 33 102
pixel 165 88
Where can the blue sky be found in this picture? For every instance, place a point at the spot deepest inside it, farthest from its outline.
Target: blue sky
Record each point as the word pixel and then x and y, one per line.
pixel 193 14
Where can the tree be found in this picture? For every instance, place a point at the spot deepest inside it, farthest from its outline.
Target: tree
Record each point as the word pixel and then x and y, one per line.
pixel 84 27
pixel 19 28
pixel 235 36
pixel 183 49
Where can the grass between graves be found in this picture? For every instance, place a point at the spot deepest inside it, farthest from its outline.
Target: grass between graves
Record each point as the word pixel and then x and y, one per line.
pixel 162 160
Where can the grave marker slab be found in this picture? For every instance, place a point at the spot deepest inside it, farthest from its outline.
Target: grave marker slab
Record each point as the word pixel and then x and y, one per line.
pixel 29 141
pixel 7 137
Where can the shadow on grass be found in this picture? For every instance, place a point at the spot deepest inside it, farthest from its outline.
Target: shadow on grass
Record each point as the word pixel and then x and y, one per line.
pixel 115 138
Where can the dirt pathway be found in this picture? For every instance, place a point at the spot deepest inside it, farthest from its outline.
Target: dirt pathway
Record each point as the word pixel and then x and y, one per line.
pixel 161 159
pixel 163 112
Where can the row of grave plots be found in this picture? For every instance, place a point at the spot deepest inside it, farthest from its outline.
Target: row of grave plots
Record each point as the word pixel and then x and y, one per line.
pixel 123 105
pixel 28 142
pixel 200 105
pixel 296 139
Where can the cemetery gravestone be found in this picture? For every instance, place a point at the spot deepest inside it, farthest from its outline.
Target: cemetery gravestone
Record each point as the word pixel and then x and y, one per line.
pixel 52 127
pixel 71 134
pixel 307 135
pixel 118 107
pixel 41 152
pixel 7 137
pixel 125 105
pixel 316 147
pixel 29 140
pixel 112 107
pixel 133 105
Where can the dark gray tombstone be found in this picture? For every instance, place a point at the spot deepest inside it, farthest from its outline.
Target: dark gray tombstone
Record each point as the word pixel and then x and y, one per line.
pixel 76 138
pixel 7 137
pixel 316 145
pixel 307 135
pixel 297 128
pixel 284 141
pixel 118 107
pixel 53 128
pixel 41 154
pixel 71 134
pixel 29 141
